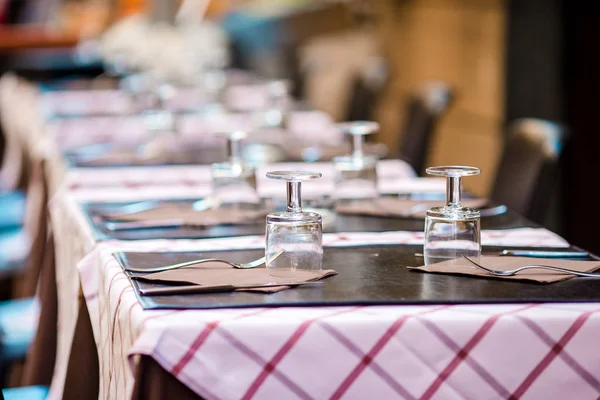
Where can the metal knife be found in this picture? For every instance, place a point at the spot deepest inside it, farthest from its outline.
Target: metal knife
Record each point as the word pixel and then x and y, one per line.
pixel 132 225
pixel 545 253
pixel 534 253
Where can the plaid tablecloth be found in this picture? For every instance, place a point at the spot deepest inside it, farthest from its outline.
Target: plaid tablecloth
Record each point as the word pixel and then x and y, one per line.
pixel 463 351
pixel 75 242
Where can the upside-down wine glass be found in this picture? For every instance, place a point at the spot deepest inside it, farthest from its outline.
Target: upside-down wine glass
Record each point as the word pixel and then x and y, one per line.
pixel 297 232
pixel 234 182
pixel 452 230
pixel 278 103
pixel 356 174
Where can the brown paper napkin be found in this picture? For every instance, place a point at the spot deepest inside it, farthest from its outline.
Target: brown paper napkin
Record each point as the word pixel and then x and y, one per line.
pixel 219 273
pixel 463 267
pixel 396 207
pixel 190 217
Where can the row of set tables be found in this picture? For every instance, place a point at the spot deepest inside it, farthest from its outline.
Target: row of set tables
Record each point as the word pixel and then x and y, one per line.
pixel 373 329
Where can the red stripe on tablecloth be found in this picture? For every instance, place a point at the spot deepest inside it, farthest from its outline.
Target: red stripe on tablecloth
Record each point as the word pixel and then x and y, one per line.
pixel 101 315
pixel 570 361
pixel 478 368
pixel 464 352
pixel 287 346
pixel 201 338
pixel 260 361
pixel 110 284
pixel 374 366
pixel 114 328
pixel 131 338
pixel 368 358
pixel 552 354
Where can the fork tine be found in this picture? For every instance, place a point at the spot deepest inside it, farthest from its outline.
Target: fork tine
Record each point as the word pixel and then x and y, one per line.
pixel 491 271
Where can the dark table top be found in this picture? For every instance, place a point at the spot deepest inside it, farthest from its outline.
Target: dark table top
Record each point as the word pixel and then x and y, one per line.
pixel 341 223
pixel 366 276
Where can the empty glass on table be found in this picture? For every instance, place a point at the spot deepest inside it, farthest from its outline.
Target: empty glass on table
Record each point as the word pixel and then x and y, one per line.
pixel 356 174
pixel 278 103
pixel 452 230
pixel 234 182
pixel 298 233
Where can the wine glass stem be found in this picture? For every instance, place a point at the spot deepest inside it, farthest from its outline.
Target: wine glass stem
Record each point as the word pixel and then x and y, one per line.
pixel 453 191
pixel 357 146
pixel 294 201
pixel 233 150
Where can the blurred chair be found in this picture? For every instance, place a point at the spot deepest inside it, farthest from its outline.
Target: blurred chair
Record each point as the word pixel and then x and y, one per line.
pixel 23 255
pixel 366 89
pixel 26 393
pixel 529 168
pixel 424 109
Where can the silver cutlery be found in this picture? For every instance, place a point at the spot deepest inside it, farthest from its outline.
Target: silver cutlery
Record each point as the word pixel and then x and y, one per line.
pixel 133 207
pixel 198 289
pixel 544 253
pixel 534 253
pixel 252 264
pixel 512 272
pixel 132 225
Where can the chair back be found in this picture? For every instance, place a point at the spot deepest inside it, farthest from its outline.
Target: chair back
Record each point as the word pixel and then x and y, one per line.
pixel 35 226
pixel 366 89
pixel 424 109
pixel 529 168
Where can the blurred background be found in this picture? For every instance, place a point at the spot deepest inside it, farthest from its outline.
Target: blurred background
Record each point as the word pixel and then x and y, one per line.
pixel 476 65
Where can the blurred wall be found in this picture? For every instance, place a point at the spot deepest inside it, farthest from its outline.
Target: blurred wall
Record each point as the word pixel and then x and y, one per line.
pixel 460 42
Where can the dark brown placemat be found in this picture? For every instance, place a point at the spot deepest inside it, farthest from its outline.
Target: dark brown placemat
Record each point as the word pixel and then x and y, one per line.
pixel 342 223
pixel 366 275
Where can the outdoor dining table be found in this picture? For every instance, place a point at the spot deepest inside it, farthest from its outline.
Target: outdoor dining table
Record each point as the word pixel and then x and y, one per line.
pixel 524 343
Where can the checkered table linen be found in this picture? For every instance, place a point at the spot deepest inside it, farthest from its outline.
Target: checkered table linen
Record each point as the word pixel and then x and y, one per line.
pixel 527 351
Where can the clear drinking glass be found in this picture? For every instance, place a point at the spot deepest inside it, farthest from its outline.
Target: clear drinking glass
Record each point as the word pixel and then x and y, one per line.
pixel 299 233
pixel 233 181
pixel 452 230
pixel 356 174
pixel 278 103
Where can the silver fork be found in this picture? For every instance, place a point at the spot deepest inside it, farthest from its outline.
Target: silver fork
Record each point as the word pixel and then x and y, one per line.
pixel 252 264
pixel 512 272
pixel 145 205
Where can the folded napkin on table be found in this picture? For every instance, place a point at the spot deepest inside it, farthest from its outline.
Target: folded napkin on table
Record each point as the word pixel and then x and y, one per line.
pixel 219 273
pixel 463 267
pixel 396 207
pixel 190 217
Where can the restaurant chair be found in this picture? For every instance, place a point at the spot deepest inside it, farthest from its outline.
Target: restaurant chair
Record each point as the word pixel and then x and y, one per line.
pixel 25 393
pixel 529 167
pixel 19 317
pixel 12 200
pixel 366 90
pixel 424 109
